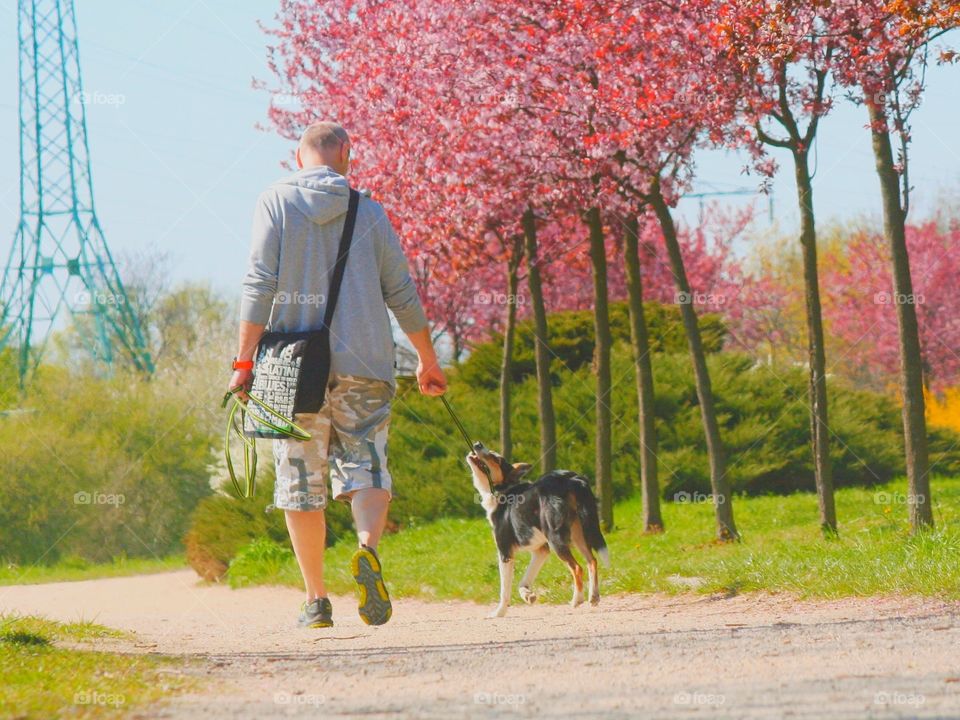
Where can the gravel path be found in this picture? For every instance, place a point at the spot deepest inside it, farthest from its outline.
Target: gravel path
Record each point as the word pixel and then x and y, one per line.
pixel 649 656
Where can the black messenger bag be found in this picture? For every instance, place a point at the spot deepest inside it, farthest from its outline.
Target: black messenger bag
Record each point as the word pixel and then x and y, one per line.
pixel 292 368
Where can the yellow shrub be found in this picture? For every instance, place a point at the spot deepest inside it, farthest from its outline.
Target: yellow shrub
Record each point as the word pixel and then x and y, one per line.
pixel 943 409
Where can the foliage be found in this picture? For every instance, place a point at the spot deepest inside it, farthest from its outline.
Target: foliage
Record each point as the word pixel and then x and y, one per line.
pixel 223 523
pixel 861 306
pixel 96 468
pixel 943 409
pixel 762 410
pixel 782 550
pixel 44 679
pixel 571 341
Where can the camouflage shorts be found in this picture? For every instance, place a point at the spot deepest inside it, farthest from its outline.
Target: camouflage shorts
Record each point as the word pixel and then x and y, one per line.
pixel 348 440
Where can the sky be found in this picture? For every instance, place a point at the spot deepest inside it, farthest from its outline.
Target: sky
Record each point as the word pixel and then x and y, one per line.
pixel 178 162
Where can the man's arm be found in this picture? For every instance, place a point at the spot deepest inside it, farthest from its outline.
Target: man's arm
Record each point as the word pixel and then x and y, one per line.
pixel 259 288
pixel 249 337
pixel 400 295
pixel 430 377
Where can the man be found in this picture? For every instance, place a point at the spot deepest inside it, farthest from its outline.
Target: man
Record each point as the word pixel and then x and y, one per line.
pixel 296 233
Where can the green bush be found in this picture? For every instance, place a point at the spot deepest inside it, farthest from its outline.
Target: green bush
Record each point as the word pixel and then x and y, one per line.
pixel 97 468
pixel 572 341
pixel 223 523
pixel 762 411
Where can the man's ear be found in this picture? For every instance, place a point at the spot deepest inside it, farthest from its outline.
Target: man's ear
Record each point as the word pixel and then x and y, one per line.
pixel 299 160
pixel 519 470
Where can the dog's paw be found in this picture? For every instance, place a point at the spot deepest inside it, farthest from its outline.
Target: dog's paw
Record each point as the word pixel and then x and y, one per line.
pixel 577 600
pixel 528 595
pixel 499 612
pixel 595 600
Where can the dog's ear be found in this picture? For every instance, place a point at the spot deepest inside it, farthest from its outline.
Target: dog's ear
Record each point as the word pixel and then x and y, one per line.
pixel 519 470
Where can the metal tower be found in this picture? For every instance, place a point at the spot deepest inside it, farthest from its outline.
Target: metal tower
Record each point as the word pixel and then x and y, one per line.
pixel 59 258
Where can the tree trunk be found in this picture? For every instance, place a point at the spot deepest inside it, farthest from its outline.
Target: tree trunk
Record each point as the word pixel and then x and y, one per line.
pixel 911 363
pixel 548 430
pixel 639 340
pixel 601 368
pixel 509 331
pixel 817 387
pixel 722 500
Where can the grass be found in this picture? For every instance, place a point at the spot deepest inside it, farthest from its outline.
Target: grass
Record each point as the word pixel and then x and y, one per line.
pixel 782 550
pixel 47 673
pixel 80 569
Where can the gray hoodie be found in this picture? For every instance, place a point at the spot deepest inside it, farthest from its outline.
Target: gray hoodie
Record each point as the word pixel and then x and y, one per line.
pixel 296 233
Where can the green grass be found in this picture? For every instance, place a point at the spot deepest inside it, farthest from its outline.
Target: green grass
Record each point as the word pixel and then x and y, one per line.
pixel 80 569
pixel 782 550
pixel 47 672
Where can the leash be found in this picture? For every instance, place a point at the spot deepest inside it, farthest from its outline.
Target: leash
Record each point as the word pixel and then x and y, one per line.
pixel 288 427
pixel 456 421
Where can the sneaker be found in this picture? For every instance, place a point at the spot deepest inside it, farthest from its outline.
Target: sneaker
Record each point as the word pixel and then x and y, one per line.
pixel 317 613
pixel 374 602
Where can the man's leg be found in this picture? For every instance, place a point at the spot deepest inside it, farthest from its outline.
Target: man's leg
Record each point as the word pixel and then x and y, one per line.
pixel 301 492
pixel 369 507
pixel 308 533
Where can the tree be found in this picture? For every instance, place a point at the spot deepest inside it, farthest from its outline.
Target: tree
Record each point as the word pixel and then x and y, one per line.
pixel 661 108
pixel 784 51
pixel 882 61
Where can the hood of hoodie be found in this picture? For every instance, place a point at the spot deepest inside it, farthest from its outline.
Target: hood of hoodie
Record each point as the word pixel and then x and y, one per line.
pixel 318 192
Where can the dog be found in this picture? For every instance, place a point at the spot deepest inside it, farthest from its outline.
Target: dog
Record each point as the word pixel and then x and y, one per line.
pixel 557 512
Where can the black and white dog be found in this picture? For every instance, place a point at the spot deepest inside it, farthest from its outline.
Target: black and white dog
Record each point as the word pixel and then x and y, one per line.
pixel 556 512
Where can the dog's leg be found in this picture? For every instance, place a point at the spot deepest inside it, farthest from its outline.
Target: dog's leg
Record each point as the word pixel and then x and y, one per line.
pixel 506 587
pixel 563 552
pixel 537 558
pixel 577 536
pixel 594 579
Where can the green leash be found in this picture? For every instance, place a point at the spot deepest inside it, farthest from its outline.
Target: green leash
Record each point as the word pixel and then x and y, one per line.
pixel 288 428
pixel 456 421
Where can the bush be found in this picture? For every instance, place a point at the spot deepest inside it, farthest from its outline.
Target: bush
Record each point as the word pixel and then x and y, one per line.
pixel 223 523
pixel 96 468
pixel 764 426
pixel 572 341
pixel 762 411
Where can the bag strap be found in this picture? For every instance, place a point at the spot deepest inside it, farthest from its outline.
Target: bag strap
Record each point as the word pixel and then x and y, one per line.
pixel 345 239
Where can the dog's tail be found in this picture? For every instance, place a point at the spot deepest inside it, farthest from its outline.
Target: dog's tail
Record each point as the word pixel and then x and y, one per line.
pixel 590 521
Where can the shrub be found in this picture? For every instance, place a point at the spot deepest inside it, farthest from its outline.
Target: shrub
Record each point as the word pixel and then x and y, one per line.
pixel 95 468
pixel 223 523
pixel 572 341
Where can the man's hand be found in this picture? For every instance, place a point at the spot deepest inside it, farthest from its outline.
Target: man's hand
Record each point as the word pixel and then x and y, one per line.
pixel 430 377
pixel 242 378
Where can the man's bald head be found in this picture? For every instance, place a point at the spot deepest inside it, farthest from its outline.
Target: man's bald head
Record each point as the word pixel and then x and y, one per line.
pixel 325 143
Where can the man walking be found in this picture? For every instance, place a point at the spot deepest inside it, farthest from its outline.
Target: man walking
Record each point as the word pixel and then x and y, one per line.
pixel 296 231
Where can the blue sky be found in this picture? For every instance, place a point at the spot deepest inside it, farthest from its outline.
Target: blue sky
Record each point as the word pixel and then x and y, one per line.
pixel 178 165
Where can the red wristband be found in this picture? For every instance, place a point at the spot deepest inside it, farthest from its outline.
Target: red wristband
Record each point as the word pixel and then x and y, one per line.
pixel 242 364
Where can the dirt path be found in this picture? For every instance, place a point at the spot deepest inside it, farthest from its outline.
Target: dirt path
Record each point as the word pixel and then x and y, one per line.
pixel 635 656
